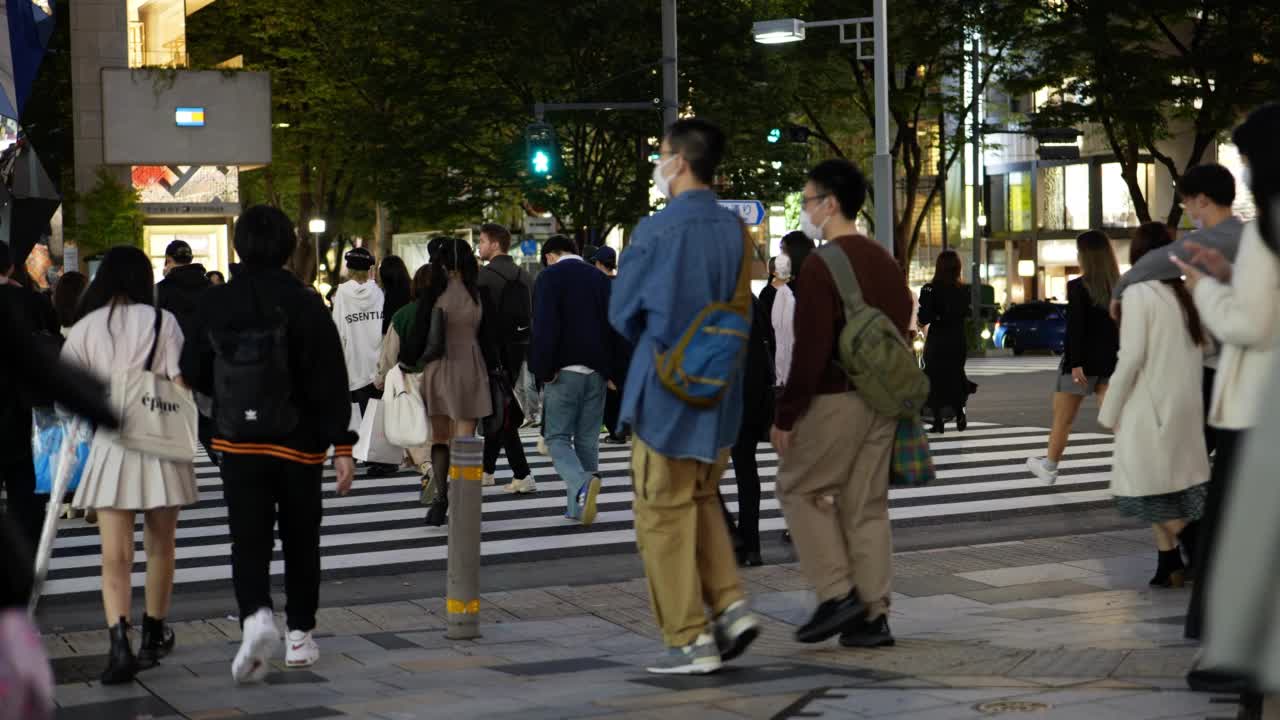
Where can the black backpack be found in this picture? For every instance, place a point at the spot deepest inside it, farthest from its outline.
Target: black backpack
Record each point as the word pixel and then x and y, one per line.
pixel 252 384
pixel 515 306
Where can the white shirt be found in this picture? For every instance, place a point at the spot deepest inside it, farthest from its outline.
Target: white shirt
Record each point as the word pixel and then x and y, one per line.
pixel 784 331
pixel 104 350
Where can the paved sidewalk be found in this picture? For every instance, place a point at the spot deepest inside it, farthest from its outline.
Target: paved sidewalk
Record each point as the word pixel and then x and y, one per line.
pixel 1054 628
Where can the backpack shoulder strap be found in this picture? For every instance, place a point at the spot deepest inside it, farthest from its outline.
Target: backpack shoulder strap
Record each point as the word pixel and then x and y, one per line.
pixel 843 275
pixel 741 301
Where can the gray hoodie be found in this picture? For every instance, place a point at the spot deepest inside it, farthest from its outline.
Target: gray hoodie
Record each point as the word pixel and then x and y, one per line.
pixel 357 311
pixel 1223 237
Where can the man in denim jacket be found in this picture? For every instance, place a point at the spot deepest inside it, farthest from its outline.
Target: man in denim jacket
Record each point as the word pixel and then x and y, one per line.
pixel 680 260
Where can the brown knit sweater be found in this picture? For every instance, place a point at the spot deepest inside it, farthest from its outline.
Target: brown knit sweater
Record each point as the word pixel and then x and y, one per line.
pixel 820 316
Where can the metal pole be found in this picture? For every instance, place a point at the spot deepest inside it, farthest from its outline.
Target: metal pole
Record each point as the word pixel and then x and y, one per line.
pixel 670 55
pixel 883 163
pixel 462 602
pixel 315 240
pixel 976 140
pixel 942 172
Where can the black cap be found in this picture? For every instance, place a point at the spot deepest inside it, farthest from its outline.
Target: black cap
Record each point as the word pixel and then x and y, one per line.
pixel 359 259
pixel 179 250
pixel 606 256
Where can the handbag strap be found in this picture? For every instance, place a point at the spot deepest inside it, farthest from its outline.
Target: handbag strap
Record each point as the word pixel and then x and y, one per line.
pixel 155 341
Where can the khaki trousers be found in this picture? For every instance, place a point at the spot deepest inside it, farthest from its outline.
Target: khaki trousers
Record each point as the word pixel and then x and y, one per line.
pixel 684 543
pixel 833 485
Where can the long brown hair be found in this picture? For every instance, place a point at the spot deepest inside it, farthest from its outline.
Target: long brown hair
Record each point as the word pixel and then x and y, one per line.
pixel 1152 236
pixel 1098 267
pixel 946 271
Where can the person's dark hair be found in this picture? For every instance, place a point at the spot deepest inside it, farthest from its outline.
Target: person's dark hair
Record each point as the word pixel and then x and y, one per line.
pixel 1153 236
pixel 844 181
pixel 395 287
pixel 1259 141
pixel 947 270
pixel 559 245
pixel 451 255
pixel 498 234
pixel 797 246
pixel 1212 180
pixel 421 281
pixel 124 277
pixel 222 279
pixel 700 143
pixel 265 237
pixel 6 258
pixel 66 297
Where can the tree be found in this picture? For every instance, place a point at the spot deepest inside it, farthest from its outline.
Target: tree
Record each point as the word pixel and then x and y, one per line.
pixel 1140 69
pixel 110 216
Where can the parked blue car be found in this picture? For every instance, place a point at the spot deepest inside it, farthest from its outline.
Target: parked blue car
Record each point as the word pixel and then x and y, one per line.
pixel 1032 326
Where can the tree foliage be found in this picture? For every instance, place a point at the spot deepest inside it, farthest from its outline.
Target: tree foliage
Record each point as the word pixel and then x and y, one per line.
pixel 109 215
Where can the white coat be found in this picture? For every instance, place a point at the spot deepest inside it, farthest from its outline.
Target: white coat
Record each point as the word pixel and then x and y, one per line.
pixel 1245 316
pixel 784 332
pixel 1154 400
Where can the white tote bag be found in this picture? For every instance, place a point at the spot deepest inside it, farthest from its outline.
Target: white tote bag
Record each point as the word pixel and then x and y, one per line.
pixel 372 447
pixel 158 416
pixel 404 414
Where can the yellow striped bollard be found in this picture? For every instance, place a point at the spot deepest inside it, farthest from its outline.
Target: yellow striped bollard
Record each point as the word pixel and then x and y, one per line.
pixel 462 603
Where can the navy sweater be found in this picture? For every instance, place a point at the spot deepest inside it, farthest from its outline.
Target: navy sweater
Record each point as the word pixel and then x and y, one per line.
pixel 571 321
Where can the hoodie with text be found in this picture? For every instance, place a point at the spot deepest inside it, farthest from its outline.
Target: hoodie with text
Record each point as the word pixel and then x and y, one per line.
pixel 357 311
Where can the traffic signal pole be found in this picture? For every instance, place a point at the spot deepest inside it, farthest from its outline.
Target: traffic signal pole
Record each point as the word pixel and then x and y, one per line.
pixel 670 66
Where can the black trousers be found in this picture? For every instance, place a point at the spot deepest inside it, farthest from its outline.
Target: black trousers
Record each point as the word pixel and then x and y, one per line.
pixel 508 439
pixel 1229 443
pixel 259 491
pixel 1210 435
pixel 24 508
pixel 612 409
pixel 747 473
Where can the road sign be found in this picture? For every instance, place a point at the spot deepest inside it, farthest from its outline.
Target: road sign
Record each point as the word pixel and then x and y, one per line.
pixel 751 211
pixel 529 247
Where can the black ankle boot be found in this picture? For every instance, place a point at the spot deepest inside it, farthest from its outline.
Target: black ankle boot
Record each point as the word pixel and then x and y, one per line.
pixel 938 424
pixel 121 665
pixel 1187 539
pixel 157 641
pixel 438 513
pixel 962 421
pixel 1170 573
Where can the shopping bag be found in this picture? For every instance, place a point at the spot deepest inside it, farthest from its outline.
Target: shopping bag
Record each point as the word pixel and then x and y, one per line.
pixel 372 447
pixel 158 416
pixel 912 461
pixel 404 413
pixel 57 438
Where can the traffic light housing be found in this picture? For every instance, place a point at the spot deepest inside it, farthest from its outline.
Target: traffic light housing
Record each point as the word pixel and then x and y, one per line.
pixel 542 152
pixel 797 134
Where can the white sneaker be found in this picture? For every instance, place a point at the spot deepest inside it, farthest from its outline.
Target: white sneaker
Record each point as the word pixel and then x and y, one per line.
pixel 256 648
pixel 523 486
pixel 1038 467
pixel 301 651
pixel 542 447
pixel 487 480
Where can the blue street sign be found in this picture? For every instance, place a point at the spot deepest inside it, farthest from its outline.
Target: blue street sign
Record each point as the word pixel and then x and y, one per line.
pixel 529 247
pixel 751 211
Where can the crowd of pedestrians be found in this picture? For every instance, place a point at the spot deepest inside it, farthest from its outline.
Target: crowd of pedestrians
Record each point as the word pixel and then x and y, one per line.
pixel 665 347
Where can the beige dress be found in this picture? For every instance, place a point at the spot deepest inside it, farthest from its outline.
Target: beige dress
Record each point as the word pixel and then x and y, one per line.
pixel 116 477
pixel 457 385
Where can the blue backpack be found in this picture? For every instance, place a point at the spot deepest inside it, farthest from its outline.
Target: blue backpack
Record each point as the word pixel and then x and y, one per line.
pixel 701 366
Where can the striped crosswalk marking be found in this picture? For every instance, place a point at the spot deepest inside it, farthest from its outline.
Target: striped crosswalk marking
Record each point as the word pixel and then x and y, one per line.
pixel 993 366
pixel 378 527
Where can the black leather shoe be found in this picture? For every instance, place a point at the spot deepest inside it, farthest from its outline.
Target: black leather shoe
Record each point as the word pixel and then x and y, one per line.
pixel 750 559
pixel 121 664
pixel 831 617
pixel 380 470
pixel 157 641
pixel 438 513
pixel 1217 682
pixel 962 421
pixel 612 439
pixel 864 633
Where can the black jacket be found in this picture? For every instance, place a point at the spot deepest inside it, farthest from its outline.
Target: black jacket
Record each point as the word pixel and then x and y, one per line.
pixel 1093 340
pixel 759 381
pixel 316 362
pixel 179 292
pixel 503 273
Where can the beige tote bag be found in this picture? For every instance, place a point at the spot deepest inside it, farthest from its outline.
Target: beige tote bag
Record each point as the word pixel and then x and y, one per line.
pixel 158 416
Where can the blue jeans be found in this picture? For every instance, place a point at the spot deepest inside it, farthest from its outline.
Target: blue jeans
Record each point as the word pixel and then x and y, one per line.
pixel 572 413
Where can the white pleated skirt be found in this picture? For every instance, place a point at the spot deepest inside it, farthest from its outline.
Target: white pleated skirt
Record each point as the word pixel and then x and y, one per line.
pixel 117 478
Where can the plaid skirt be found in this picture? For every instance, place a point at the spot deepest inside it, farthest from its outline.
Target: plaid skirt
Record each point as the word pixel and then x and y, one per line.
pixel 1182 505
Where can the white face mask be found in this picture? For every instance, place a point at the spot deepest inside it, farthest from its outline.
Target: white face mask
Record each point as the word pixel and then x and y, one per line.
pixel 661 182
pixel 808 227
pixel 782 266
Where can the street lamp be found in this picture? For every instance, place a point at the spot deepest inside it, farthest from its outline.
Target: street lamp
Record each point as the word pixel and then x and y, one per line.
pixel 773 32
pixel 316 227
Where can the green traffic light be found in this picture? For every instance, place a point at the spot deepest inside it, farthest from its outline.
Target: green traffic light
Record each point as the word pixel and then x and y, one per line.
pixel 775 134
pixel 541 163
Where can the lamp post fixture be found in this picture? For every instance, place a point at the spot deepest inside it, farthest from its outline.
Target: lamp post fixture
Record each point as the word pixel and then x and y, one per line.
pixel 773 32
pixel 317 226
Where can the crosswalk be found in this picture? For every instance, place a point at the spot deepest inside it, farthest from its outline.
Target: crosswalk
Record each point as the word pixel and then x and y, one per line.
pixel 378 528
pixel 994 366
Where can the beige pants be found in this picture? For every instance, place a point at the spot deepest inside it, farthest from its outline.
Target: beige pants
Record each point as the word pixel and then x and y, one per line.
pixel 684 543
pixel 833 485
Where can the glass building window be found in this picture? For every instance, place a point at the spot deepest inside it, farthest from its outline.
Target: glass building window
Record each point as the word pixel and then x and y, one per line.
pixel 1019 199
pixel 1075 195
pixel 1052 202
pixel 1117 205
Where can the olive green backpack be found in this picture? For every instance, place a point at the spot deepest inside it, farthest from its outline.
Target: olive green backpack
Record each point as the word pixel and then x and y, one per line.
pixel 871 351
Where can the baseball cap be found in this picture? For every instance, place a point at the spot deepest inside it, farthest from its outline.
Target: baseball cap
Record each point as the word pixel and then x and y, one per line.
pixel 179 250
pixel 607 256
pixel 359 259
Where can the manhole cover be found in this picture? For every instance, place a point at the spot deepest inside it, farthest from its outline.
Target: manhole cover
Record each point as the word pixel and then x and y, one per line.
pixel 1003 707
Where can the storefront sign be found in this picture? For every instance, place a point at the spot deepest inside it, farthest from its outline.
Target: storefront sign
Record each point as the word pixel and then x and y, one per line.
pixel 214 209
